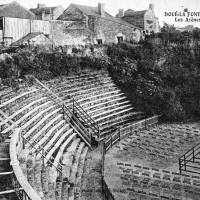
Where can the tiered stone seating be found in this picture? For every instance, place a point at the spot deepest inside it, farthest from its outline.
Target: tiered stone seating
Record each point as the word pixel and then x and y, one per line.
pixel 158 183
pixel 46 134
pixel 147 163
pixel 99 97
pixel 50 142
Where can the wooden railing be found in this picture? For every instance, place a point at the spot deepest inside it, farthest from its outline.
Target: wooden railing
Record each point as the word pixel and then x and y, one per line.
pixel 70 115
pixel 119 134
pixel 112 140
pixel 190 161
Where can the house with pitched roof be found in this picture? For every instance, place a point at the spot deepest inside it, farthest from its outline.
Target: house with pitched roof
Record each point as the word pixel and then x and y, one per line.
pixel 145 19
pixel 96 26
pixel 44 12
pixel 15 10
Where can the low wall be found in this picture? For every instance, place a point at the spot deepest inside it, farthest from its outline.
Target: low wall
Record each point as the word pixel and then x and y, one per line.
pixel 19 180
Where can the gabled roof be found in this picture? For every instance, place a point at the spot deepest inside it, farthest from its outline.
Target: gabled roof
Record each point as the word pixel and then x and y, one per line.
pixel 14 9
pixel 46 10
pixel 27 37
pixel 93 11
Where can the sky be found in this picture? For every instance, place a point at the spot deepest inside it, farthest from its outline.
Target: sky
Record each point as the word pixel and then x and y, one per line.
pixel 112 7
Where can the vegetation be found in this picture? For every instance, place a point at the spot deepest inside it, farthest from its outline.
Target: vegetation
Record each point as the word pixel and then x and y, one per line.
pixel 164 80
pixel 158 79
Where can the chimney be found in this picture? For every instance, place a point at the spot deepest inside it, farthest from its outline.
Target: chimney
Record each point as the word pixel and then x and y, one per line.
pixel 120 13
pixel 101 9
pixel 151 6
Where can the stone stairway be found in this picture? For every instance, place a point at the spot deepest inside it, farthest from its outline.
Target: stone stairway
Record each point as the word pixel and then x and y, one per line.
pixel 91 181
pixel 99 97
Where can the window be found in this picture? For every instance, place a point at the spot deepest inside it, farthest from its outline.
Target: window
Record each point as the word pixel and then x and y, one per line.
pixel 99 41
pixel 120 39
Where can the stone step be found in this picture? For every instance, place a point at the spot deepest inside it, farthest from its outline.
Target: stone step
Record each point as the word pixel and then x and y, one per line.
pixel 62 148
pixel 38 177
pixel 23 109
pixel 80 84
pixel 111 111
pixel 32 135
pixel 98 101
pixel 59 142
pixel 80 170
pixel 45 139
pixel 74 91
pixel 23 119
pixel 104 104
pixel 30 169
pixel 100 120
pixel 76 77
pixel 112 106
pixel 67 161
pixel 56 136
pixel 14 99
pixel 98 97
pixel 94 91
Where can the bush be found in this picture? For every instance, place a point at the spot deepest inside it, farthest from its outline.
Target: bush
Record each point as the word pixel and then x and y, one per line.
pixel 161 80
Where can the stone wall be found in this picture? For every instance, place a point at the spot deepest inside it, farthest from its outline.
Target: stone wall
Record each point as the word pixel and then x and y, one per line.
pixel 109 30
pixel 70 33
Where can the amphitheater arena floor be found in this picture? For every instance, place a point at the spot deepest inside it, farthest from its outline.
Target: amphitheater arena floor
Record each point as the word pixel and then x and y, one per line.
pixel 150 155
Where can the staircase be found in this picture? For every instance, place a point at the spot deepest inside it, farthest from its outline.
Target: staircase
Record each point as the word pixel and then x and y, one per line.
pixel 58 120
pixel 100 98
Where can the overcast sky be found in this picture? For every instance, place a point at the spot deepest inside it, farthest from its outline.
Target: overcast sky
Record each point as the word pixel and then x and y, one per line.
pixel 112 6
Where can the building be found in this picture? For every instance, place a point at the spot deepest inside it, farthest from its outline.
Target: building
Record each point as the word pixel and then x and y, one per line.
pixel 43 12
pixel 15 10
pixel 13 29
pixel 77 25
pixel 19 13
pixel 144 19
pixel 94 25
pixel 34 39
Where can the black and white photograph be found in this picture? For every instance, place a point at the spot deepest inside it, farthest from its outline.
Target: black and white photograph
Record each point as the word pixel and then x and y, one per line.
pixel 99 100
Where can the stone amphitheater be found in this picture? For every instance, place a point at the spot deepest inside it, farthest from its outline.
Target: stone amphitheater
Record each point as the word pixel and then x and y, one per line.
pixel 79 138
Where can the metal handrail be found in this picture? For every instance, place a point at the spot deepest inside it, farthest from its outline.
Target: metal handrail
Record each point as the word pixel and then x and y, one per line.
pixel 189 157
pixel 66 110
pixel 190 150
pixel 92 122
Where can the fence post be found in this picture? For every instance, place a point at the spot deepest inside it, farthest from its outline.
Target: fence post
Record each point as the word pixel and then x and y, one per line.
pixel 23 142
pixel 73 106
pixel 63 108
pixel 184 163
pixel 193 154
pixel 119 133
pixel 145 124
pixel 43 157
pixel 180 170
